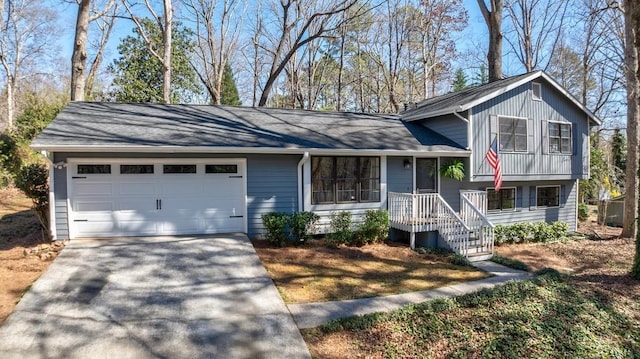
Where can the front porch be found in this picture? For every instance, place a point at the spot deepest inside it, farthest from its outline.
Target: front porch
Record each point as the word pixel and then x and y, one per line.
pixel 468 232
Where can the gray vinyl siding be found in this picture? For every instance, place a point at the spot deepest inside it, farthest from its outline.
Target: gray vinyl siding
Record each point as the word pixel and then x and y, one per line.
pixel 526 210
pixel 271 184
pixel 450 188
pixel 399 179
pixel 451 127
pixel 536 164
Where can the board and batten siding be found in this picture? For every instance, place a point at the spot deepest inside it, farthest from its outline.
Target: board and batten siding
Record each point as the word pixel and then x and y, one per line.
pixel 450 127
pixel 536 164
pixel 271 184
pixel 399 179
pixel 526 211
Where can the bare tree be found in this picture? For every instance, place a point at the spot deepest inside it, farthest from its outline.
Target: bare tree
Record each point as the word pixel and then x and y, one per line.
pixel 104 26
pixel 493 19
pixel 298 23
pixel 26 36
pixel 632 47
pixel 79 55
pixel 535 29
pixel 217 29
pixel 165 24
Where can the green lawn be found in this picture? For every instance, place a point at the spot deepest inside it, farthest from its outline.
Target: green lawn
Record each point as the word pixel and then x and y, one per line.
pixel 549 316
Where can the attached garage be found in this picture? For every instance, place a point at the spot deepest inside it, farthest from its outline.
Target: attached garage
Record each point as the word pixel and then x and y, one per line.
pixel 142 197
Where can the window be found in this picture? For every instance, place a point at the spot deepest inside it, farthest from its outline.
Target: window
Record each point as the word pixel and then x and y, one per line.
pixel 136 169
pixel 559 138
pixel 345 179
pixel 179 169
pixel 536 91
pixel 548 196
pixel 513 134
pixel 503 200
pixel 221 169
pixel 94 169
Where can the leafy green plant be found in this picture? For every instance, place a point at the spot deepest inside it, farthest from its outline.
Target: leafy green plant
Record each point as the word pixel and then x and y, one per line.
pixel 303 225
pixel 531 232
pixel 459 260
pixel 583 212
pixel 276 227
pixel 33 181
pixel 510 262
pixel 374 227
pixel 453 169
pixel 341 227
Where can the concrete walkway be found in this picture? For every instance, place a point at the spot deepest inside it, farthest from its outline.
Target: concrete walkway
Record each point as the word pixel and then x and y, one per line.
pixel 155 297
pixel 311 315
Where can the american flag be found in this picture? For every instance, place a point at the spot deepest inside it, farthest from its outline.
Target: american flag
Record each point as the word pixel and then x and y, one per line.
pixel 494 161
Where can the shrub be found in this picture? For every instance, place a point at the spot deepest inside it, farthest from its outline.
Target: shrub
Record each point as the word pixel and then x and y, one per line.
pixel 341 227
pixel 374 227
pixel 33 181
pixel 303 225
pixel 583 212
pixel 459 260
pixel 531 232
pixel 276 226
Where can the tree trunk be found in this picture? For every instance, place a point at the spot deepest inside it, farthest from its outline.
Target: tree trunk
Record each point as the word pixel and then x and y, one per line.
pixel 79 56
pixel 493 20
pixel 10 102
pixel 633 87
pixel 166 58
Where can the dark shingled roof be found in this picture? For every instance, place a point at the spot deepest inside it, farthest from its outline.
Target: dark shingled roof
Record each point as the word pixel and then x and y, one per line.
pixel 94 125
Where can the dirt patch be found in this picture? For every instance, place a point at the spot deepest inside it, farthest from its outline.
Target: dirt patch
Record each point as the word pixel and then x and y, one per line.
pixel 314 272
pixel 19 232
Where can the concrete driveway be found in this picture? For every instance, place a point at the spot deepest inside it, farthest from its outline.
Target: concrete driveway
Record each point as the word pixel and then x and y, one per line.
pixel 160 297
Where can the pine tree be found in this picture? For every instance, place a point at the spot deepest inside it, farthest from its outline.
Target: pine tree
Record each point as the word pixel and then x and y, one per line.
pixel 229 95
pixel 460 81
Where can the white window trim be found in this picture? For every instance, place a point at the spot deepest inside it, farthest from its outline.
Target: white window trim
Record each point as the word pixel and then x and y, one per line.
pixel 549 122
pixel 559 196
pixel 527 135
pixel 515 200
pixel 533 91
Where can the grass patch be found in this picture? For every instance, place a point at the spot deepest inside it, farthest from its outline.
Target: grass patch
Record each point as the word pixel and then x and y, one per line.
pixel 509 262
pixel 547 316
pixel 315 272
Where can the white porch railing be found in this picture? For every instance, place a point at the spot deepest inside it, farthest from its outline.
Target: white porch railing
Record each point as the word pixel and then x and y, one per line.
pixel 482 234
pixel 468 233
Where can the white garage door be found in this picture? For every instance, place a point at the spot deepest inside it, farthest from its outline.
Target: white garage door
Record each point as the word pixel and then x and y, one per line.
pixel 156 197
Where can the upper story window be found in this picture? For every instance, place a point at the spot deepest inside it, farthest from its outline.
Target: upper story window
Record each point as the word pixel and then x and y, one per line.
pixel 560 138
pixel 536 91
pixel 548 196
pixel 503 200
pixel 345 179
pixel 513 134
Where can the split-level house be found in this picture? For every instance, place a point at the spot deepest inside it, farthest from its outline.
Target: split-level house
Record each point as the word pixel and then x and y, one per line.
pixel 121 169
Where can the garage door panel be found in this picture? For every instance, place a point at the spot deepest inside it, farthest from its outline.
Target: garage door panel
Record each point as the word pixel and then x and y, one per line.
pixel 158 204
pixel 93 188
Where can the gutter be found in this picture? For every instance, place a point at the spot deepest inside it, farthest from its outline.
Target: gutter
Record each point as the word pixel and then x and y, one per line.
pixel 302 161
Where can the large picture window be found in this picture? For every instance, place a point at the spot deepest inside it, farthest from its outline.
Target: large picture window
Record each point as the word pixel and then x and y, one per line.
pixel 345 179
pixel 503 200
pixel 513 134
pixel 548 196
pixel 559 138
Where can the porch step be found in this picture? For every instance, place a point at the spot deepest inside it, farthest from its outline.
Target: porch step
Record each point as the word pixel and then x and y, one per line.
pixel 480 256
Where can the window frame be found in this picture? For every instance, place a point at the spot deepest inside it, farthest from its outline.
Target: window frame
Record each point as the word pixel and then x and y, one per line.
pixel 501 209
pixel 560 138
pixel 359 180
pixel 94 165
pixel 515 119
pixel 535 85
pixel 122 165
pixel 549 186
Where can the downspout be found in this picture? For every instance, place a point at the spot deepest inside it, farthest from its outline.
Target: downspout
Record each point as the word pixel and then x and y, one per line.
pixel 302 161
pixel 52 197
pixel 469 139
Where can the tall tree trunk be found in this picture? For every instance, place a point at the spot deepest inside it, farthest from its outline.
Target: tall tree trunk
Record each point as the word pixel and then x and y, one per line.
pixel 166 58
pixel 493 20
pixel 79 56
pixel 633 90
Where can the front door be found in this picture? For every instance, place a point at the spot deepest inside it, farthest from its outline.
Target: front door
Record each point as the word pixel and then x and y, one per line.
pixel 426 175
